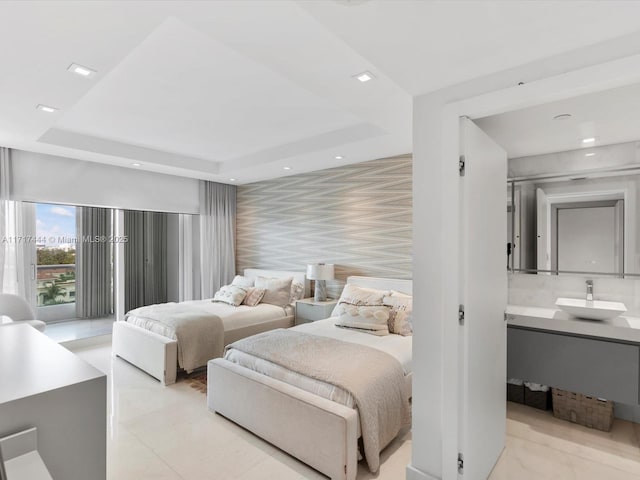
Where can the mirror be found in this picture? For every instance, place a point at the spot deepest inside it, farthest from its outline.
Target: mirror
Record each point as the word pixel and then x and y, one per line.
pixel 573 171
pixel 575 222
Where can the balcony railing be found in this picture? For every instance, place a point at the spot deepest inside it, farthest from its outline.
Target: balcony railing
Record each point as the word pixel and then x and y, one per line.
pixel 55 284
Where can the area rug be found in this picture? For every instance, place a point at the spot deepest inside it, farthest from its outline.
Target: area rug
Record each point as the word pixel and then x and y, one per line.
pixel 199 382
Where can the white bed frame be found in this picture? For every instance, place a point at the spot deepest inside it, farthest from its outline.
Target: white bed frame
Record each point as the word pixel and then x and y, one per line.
pixel 158 355
pixel 319 432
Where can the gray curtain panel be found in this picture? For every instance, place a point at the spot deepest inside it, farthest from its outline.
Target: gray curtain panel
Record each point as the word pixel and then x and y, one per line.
pixel 94 272
pixel 217 236
pixel 145 258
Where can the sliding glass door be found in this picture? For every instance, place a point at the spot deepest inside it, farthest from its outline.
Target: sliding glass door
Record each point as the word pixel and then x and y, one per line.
pixel 63 260
pixel 55 269
pixel 74 262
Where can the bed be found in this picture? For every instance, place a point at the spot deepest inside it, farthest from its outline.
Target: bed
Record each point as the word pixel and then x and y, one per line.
pixel 157 354
pixel 321 432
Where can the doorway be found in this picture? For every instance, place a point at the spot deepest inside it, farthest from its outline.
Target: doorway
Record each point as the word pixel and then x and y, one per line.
pixel 439 205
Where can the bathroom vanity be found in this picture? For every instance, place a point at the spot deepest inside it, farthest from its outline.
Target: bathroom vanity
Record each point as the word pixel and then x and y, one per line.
pixel 600 358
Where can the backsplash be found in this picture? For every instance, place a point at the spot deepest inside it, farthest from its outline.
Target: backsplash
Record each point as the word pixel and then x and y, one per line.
pixel 543 290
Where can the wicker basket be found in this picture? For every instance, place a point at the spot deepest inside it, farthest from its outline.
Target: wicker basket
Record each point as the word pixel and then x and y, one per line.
pixel 582 409
pixel 537 399
pixel 515 393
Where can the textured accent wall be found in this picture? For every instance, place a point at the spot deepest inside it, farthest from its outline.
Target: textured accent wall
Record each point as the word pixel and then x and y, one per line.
pixel 358 217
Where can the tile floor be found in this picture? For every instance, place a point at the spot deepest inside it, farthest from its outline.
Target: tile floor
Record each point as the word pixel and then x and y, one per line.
pixel 539 446
pixel 167 433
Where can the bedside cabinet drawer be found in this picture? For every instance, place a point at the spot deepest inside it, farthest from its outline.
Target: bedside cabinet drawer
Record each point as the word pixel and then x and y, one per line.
pixel 307 311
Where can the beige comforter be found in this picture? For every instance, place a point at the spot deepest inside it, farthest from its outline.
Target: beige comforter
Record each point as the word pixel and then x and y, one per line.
pixel 374 378
pixel 199 333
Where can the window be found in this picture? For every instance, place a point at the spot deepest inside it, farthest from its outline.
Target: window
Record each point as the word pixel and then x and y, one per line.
pixel 56 254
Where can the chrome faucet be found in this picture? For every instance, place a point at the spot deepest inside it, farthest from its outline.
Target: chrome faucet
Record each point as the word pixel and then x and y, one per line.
pixel 589 290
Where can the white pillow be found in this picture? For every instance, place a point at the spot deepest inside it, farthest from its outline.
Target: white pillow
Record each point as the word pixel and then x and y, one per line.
pixel 297 292
pixel 359 296
pixel 278 290
pixel 401 315
pixel 368 318
pixel 244 282
pixel 230 294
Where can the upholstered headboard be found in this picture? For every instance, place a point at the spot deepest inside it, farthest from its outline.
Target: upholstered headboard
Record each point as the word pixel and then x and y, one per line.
pixel 403 286
pixel 300 277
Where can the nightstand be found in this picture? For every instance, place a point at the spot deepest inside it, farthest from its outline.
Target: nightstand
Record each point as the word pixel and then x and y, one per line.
pixel 308 310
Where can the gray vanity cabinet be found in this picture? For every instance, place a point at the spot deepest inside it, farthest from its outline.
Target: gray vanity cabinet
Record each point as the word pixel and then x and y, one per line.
pixel 606 369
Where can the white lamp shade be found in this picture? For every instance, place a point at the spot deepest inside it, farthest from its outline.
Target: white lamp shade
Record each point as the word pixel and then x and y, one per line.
pixel 320 271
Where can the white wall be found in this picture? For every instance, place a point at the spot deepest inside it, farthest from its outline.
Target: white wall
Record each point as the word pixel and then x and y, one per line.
pixel 47 178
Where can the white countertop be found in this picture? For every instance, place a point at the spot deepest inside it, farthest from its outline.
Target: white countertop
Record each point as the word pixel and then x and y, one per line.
pixel 619 328
pixel 31 363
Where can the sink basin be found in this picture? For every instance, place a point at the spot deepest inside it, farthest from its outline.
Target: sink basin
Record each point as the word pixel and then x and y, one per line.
pixel 591 309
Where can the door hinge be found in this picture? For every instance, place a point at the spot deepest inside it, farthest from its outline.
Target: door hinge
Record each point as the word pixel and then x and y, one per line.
pixel 461 165
pixel 461 314
pixel 460 463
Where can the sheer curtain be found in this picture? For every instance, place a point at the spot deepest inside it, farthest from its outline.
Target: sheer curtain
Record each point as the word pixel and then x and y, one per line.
pixel 187 268
pixel 17 238
pixel 5 222
pixel 217 236
pixel 94 297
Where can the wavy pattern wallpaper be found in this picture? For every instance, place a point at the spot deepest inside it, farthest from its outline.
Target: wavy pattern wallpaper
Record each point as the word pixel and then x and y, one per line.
pixel 358 217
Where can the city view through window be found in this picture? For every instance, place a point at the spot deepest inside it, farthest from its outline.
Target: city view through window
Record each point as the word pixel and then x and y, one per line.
pixel 56 254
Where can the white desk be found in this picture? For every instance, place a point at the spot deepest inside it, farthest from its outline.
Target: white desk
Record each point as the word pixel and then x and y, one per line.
pixel 43 385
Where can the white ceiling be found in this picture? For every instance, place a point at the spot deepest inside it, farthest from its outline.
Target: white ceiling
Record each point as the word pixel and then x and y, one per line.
pixel 611 116
pixel 228 89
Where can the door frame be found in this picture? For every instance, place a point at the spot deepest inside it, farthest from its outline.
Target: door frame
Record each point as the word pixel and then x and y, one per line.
pixel 594 78
pixel 514 204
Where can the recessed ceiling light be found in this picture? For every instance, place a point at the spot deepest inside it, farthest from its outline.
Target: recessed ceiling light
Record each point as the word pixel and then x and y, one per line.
pixel 45 108
pixel 339 157
pixel 590 154
pixel 365 76
pixel 562 116
pixel 286 168
pixel 81 70
pixel 588 140
pixel 232 179
pixel 136 164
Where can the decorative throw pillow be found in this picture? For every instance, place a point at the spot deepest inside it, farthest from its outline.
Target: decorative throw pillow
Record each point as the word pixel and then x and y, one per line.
pixel 371 319
pixel 395 293
pixel 359 296
pixel 401 314
pixel 254 295
pixel 244 282
pixel 297 292
pixel 278 290
pixel 231 295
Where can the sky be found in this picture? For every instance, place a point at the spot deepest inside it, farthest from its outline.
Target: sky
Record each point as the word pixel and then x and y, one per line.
pixel 54 221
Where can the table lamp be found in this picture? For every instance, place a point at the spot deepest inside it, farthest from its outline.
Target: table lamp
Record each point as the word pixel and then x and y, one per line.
pixel 320 272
